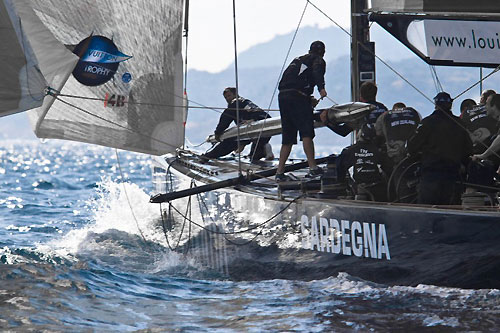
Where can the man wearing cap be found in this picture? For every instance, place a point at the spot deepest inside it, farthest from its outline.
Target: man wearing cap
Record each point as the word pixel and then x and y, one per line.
pixel 445 146
pixel 296 105
pixel 368 163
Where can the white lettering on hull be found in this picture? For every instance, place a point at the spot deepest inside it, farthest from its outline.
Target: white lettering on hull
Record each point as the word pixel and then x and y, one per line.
pixel 349 238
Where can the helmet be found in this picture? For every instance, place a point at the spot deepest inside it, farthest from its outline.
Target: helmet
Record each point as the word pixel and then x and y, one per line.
pixel 443 98
pixel 317 47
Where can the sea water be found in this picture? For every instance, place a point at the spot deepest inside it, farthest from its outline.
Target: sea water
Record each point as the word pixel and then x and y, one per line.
pixel 80 250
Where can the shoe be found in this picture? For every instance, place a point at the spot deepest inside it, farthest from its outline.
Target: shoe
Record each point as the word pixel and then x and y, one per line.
pixel 314 172
pixel 203 159
pixel 269 152
pixel 281 177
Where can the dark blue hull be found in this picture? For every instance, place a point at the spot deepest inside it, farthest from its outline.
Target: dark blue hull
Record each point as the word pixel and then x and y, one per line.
pixel 296 236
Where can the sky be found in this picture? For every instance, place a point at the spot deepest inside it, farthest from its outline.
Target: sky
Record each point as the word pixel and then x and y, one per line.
pixel 211 38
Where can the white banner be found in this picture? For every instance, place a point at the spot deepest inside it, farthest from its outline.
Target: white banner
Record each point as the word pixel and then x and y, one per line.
pixel 457 41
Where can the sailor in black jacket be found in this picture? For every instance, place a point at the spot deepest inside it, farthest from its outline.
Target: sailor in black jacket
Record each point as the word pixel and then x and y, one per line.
pixel 445 146
pixel 296 105
pixel 247 111
pixel 367 162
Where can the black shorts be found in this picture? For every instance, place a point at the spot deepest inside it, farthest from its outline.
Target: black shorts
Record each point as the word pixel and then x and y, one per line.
pixel 296 115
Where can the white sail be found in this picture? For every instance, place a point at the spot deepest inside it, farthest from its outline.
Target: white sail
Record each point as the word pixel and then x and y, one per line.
pixel 31 59
pixel 140 107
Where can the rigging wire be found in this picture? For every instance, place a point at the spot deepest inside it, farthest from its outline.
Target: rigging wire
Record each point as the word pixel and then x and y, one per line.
pixel 279 76
pixel 202 204
pixel 113 123
pixel 239 231
pixel 435 79
pixel 237 88
pixel 406 80
pixel 376 56
pixel 126 195
pixel 186 35
pixel 478 82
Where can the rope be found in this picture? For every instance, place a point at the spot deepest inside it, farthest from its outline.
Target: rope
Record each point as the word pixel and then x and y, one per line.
pixel 408 82
pixel 478 82
pixel 216 226
pixel 112 122
pixel 239 231
pixel 217 109
pixel 279 76
pixel 216 231
pixel 126 195
pixel 237 88
pixel 186 219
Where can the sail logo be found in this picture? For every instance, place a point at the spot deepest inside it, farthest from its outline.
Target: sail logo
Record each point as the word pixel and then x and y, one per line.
pixel 102 57
pixel 114 100
pixel 99 60
pixel 367 240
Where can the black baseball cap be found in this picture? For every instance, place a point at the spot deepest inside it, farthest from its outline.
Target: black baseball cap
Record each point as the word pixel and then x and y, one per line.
pixel 443 98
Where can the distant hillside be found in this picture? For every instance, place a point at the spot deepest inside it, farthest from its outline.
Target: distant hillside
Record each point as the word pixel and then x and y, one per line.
pixel 258 84
pixel 259 72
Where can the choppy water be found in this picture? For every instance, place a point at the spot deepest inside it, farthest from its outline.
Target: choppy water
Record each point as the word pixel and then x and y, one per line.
pixel 73 258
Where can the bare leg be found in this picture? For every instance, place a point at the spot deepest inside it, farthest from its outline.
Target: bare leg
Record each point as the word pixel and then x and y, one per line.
pixel 284 153
pixel 308 145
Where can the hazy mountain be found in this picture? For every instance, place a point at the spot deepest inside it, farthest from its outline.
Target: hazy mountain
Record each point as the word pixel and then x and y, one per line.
pixel 259 69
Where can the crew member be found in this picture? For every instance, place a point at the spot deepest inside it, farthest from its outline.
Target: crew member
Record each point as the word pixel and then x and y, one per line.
pixel 397 126
pixel 481 126
pixel 485 95
pixel 367 94
pixel 247 111
pixel 445 146
pixel 366 160
pixel 493 111
pixel 296 105
pixel 467 104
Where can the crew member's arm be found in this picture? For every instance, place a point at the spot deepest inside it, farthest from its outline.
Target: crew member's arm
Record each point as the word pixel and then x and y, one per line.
pixel 224 121
pixel 493 149
pixel 379 124
pixel 318 70
pixel 417 141
pixel 343 162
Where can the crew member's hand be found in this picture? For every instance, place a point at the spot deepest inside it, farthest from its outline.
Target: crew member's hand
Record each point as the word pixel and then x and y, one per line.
pixel 322 93
pixel 324 116
pixel 217 137
pixel 477 157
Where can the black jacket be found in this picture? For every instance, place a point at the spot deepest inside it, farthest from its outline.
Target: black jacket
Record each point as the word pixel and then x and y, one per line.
pixel 247 109
pixel 303 74
pixel 365 158
pixel 443 142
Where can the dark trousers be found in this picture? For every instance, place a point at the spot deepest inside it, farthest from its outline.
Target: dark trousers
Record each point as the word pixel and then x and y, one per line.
pixel 227 146
pixel 439 188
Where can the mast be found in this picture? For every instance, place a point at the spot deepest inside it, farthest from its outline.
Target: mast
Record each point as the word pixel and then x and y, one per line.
pixel 362 51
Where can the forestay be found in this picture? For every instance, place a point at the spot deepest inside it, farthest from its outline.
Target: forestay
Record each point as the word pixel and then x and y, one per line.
pixel 30 59
pixel 126 90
